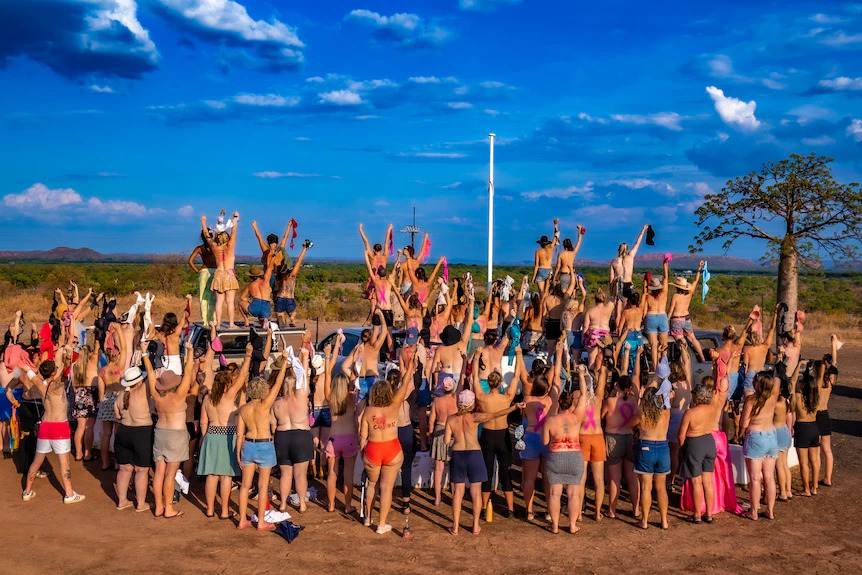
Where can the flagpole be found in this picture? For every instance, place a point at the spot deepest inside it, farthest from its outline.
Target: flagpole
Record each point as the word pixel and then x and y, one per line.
pixel 491 216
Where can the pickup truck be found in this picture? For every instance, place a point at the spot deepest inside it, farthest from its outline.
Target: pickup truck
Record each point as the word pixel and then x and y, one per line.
pixel 235 340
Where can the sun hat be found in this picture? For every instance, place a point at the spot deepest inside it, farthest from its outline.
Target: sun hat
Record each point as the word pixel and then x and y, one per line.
pixel 317 362
pixel 450 335
pixel 448 383
pixel 543 241
pixel 656 283
pixel 168 380
pixel 681 283
pixel 132 376
pixel 255 271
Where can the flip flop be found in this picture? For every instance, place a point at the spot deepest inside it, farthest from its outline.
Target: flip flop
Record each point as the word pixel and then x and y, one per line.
pixel 126 506
pixel 177 514
pixel 147 508
pixel 230 515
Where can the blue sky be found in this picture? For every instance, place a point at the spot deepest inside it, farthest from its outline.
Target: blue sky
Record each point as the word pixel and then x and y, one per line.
pixel 123 121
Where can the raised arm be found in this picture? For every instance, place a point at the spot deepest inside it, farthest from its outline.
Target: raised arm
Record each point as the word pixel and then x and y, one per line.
pixel 408 370
pixel 634 250
pixel 386 242
pixel 233 232
pixel 283 243
pixel 364 239
pixel 279 381
pixel 151 373
pixel 260 242
pixel 697 276
pixel 298 265
pixel 206 232
pixel 581 406
pixel 770 337
pixel 436 271
pixel 188 372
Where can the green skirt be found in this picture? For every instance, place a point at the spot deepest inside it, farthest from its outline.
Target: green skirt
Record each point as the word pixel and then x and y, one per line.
pixel 218 452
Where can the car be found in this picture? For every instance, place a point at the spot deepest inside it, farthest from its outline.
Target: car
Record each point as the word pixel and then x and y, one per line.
pixel 235 340
pixel 351 340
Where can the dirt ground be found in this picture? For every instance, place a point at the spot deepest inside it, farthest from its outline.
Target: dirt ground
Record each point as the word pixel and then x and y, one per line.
pixel 819 534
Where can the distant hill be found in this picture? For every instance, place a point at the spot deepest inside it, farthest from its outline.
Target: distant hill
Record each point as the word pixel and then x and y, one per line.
pixel 714 263
pixel 59 254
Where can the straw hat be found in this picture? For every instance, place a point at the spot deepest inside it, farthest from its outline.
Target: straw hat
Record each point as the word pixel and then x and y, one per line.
pixel 255 271
pixel 681 283
pixel 656 283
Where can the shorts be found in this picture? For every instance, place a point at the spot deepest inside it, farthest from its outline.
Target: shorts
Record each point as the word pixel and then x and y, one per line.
pixel 341 446
pixel 760 445
pixel 388 317
pixel 285 305
pixel 593 337
pixel 171 445
pixel 673 426
pixel 293 446
pixel 365 384
pixel 619 446
pixel 425 397
pixel 652 458
pixel 86 402
pixel 440 450
pixel 174 364
pixel 574 340
pixel 681 326
pixel 467 467
pixel 806 435
pixel 320 418
pixel 564 467
pixel 655 323
pixel 379 453
pixel 543 274
pixel 698 456
pixel 224 281
pixel 260 452
pixel 565 281
pixel 533 447
pixel 134 445
pixel 732 383
pixel 593 447
pixel 785 441
pixel 748 382
pixel 260 308
pixel 552 329
pixel 54 436
pixel 824 423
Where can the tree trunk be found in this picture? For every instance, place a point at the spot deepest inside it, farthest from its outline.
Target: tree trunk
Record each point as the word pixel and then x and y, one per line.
pixel 788 286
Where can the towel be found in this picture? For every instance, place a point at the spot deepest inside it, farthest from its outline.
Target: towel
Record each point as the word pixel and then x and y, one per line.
pixel 298 369
pixel 663 392
pixel 705 279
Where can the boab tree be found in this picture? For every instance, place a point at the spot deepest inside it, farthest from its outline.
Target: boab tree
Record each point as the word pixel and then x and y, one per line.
pixel 797 207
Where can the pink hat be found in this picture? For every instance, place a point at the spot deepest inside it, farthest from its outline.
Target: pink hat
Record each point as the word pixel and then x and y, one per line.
pixel 466 398
pixel 448 383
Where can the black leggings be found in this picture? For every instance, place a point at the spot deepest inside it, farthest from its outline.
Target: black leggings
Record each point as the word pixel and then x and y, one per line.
pixel 497 444
pixel 406 438
pixel 29 416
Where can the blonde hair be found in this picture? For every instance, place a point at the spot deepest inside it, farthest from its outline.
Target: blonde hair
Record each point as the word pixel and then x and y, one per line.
pixel 381 394
pixel 79 371
pixel 258 388
pixel 338 394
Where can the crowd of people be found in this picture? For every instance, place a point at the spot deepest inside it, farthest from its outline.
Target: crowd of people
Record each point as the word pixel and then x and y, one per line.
pixel 533 374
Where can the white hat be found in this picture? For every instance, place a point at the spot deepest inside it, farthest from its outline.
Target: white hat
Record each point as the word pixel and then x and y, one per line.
pixel 317 362
pixel 132 376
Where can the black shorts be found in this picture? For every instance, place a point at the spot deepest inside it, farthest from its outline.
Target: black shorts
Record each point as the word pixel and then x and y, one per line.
pixel 194 431
pixel 698 456
pixel 293 446
pixel 824 423
pixel 134 445
pixel 806 435
pixel 389 317
pixel 552 329
pixel 628 290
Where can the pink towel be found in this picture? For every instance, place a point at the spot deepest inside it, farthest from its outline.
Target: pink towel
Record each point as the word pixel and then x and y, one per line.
pixel 15 356
pixel 724 497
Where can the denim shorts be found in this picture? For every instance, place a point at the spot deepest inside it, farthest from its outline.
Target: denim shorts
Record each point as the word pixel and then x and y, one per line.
pixel 732 384
pixel 533 448
pixel 656 323
pixel 652 458
pixel 785 442
pixel 543 274
pixel 260 308
pixel 260 453
pixel 760 444
pixel 365 384
pixel 285 305
pixel 748 382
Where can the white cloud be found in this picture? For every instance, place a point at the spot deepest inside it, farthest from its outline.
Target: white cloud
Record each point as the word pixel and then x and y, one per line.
pixel 451 186
pixel 273 42
pixel 492 113
pixel 842 83
pixel 607 213
pixel 266 100
pixel 492 84
pixel 721 66
pixel 460 105
pixel 854 130
pixel 402 29
pixel 733 111
pixel 584 192
pixel 826 19
pixel 116 207
pixel 702 188
pixel 39 196
pixel 819 141
pixel 186 211
pixel 669 120
pixel 100 89
pixel 641 183
pixel 840 39
pixel 424 79
pixel 274 175
pixel 340 98
pixel 315 79
pixel 587 118
pixel 450 155
pixel 381 203
pixel 484 5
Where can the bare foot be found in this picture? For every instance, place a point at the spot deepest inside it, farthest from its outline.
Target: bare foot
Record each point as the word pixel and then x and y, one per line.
pixel 554 529
pixel 349 510
pixel 331 508
pixel 574 529
pixel 476 530
pixel 643 523
pixel 453 530
pixel 283 507
pixel 805 494
pixel 231 326
pixel 610 514
pixel 303 507
pixel 664 525
pixel 598 517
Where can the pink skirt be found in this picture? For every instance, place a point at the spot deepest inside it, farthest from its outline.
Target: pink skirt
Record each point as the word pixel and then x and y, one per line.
pixel 724 498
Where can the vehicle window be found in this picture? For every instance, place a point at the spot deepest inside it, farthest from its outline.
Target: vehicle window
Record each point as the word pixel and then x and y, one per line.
pixel 707 343
pixel 350 342
pixel 329 340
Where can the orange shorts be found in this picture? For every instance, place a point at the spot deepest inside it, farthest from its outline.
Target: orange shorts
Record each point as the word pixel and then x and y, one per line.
pixel 593 447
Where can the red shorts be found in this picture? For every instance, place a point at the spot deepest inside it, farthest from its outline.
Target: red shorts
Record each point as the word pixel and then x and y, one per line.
pixel 380 453
pixel 54 430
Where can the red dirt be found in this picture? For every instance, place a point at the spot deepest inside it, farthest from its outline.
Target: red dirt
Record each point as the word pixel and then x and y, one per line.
pixel 819 535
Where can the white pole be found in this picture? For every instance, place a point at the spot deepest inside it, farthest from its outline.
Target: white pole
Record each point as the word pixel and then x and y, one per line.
pixel 491 217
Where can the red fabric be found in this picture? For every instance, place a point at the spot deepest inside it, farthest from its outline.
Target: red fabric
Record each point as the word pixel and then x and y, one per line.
pixel 382 452
pixel 55 430
pixel 15 356
pixel 293 226
pixel 724 498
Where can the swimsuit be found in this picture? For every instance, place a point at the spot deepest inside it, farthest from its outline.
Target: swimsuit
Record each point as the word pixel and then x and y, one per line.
pixel 342 446
pixel 134 445
pixel 293 446
pixel 593 335
pixel 379 453
pixel 224 281
pixel 260 308
pixel 467 467
pixel 656 323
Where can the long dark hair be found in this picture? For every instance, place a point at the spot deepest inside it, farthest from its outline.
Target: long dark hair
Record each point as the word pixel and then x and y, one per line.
pixel 810 389
pixel 169 323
